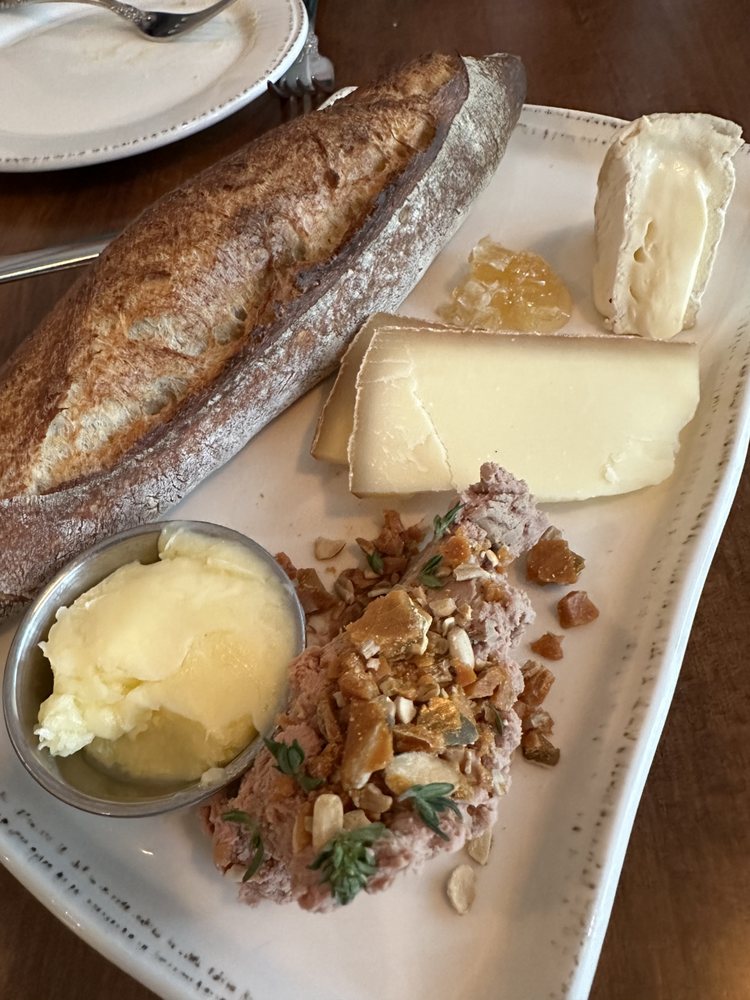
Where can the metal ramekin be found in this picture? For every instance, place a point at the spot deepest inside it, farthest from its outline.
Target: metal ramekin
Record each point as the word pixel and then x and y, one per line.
pixel 28 681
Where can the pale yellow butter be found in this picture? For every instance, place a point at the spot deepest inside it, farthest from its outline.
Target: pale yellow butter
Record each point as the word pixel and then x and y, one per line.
pixel 165 670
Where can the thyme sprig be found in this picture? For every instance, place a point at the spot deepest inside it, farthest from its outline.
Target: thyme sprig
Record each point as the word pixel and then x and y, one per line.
pixel 256 841
pixel 441 524
pixel 429 801
pixel 289 758
pixel 427 574
pixel 346 862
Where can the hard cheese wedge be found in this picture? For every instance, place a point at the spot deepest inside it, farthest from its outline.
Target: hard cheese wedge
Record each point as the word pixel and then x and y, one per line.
pixel 575 417
pixel 662 196
pixel 331 441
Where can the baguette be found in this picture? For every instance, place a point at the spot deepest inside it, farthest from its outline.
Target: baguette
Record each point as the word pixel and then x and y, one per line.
pixel 231 297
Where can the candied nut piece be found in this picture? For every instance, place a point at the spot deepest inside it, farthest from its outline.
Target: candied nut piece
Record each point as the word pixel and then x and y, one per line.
pixel 358 682
pixel 537 748
pixel 549 646
pixel 488 682
pixel 369 741
pixel 286 564
pixel 328 548
pixel 456 549
pixel 551 560
pixel 312 593
pixel 537 683
pixel 539 719
pixel 576 608
pixel 394 624
pixel 461 888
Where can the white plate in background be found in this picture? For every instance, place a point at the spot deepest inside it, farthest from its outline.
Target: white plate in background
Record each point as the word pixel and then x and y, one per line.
pixel 144 892
pixel 82 86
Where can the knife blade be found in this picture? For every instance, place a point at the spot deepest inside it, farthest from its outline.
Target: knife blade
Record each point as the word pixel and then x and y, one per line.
pixel 35 262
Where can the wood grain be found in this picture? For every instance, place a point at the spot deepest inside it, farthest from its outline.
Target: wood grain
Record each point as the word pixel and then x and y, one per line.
pixel 681 918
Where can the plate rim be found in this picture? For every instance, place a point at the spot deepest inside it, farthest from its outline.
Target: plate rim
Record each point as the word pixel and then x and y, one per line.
pixel 693 573
pixel 275 66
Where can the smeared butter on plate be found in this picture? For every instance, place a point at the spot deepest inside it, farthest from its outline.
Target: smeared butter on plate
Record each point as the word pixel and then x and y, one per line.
pixel 163 671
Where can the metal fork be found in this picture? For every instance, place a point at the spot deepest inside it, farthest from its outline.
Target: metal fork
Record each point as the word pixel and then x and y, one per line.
pixel 158 25
pixel 311 74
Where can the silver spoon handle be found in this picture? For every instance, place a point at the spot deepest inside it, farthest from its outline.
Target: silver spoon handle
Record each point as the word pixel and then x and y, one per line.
pixel 36 262
pixel 134 14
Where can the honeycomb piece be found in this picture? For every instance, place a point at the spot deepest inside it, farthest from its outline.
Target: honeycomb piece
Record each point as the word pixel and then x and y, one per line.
pixel 509 290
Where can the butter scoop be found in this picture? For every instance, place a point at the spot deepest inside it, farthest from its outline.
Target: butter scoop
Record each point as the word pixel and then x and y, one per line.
pixel 167 669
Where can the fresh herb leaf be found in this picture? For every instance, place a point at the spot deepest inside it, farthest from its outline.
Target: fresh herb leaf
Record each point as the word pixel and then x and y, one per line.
pixel 346 862
pixel 256 842
pixel 441 524
pixel 289 758
pixel 375 561
pixel 306 781
pixel 497 720
pixel 259 854
pixel 429 800
pixel 427 573
pixel 238 816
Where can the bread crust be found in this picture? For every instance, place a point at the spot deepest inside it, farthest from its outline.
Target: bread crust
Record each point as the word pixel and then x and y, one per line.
pixel 296 335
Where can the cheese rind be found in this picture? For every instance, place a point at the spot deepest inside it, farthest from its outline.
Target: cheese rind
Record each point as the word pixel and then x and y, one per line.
pixel 331 441
pixel 576 417
pixel 662 195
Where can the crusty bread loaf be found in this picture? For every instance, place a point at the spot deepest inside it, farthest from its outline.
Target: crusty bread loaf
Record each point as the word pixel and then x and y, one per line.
pixel 228 299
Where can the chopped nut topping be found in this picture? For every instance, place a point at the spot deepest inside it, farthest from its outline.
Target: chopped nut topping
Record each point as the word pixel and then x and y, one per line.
pixel 344 589
pixel 470 571
pixel 407 769
pixel 405 709
pixel 479 848
pixel 536 747
pixel 372 800
pixel 549 646
pixel 539 719
pixel 328 548
pixel 301 837
pixel 327 722
pixel 441 607
pixel 460 649
pixel 576 608
pixel 286 564
pixel 355 819
pixel 327 819
pixel 537 683
pixel 488 682
pixel 461 888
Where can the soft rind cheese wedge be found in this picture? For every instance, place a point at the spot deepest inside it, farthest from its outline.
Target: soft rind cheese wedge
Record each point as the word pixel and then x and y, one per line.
pixel 331 441
pixel 662 196
pixel 576 417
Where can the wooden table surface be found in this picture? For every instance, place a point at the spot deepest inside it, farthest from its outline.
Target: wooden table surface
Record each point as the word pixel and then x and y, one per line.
pixel 681 920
